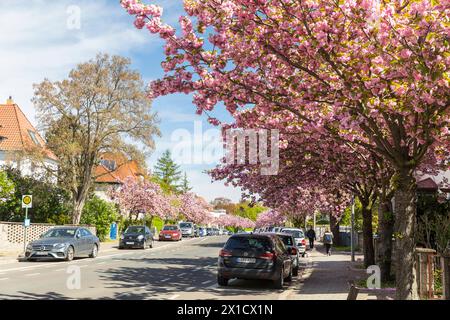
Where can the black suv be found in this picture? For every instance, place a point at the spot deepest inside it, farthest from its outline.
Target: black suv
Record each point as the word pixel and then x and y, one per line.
pixel 136 237
pixel 255 256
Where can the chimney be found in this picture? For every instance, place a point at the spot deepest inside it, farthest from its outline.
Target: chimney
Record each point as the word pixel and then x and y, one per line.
pixel 10 100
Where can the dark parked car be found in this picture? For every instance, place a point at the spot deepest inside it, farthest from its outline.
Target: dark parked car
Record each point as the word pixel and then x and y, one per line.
pixel 289 242
pixel 209 232
pixel 64 243
pixel 255 256
pixel 136 237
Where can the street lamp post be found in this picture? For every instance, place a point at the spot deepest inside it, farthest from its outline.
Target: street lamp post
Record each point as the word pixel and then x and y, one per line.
pixel 352 245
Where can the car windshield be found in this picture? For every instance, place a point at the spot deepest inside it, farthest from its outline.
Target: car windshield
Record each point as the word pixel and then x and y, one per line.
pixel 60 233
pixel 170 228
pixel 185 225
pixel 295 233
pixel 135 229
pixel 287 240
pixel 245 243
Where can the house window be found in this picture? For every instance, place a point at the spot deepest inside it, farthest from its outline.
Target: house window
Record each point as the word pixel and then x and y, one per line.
pixel 34 138
pixel 108 164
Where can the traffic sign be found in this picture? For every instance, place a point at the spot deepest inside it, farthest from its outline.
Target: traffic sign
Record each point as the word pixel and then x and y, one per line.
pixel 27 201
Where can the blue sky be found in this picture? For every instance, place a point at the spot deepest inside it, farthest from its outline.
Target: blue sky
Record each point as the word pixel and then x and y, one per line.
pixel 36 44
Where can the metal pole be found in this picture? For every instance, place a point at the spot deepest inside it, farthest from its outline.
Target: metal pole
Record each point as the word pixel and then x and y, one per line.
pixel 352 245
pixel 25 232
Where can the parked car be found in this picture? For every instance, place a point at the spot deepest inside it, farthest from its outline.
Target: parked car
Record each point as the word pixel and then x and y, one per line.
pixel 63 243
pixel 202 232
pixel 196 231
pixel 187 229
pixel 277 229
pixel 254 256
pixel 170 233
pixel 209 231
pixel 289 242
pixel 299 237
pixel 136 237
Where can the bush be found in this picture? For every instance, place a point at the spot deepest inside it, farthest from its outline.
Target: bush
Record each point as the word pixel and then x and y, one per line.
pixel 51 204
pixel 101 214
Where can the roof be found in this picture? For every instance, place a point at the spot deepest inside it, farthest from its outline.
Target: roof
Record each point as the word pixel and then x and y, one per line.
pixel 427 185
pixel 17 132
pixel 124 169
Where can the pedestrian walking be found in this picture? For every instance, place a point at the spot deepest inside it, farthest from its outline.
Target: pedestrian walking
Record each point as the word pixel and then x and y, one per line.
pixel 328 241
pixel 311 234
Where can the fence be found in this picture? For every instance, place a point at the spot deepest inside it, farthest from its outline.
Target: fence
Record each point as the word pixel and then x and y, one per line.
pixel 12 233
pixel 433 274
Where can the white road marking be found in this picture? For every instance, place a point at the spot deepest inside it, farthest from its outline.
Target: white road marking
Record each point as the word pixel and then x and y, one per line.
pixel 189 289
pixel 182 274
pixel 32 274
pixel 164 280
pixel 174 297
pixel 206 282
pixel 2 279
pixel 101 262
pixel 60 269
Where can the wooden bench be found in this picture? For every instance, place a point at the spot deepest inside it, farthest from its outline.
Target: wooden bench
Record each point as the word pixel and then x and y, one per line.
pixel 387 293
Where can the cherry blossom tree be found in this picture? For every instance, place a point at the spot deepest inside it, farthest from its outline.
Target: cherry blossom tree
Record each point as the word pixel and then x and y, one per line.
pixel 228 220
pixel 194 208
pixel 134 197
pixel 379 80
pixel 270 218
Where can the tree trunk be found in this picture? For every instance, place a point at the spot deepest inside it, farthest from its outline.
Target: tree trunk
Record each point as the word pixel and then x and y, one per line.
pixel 405 225
pixel 368 248
pixel 78 205
pixel 385 232
pixel 334 228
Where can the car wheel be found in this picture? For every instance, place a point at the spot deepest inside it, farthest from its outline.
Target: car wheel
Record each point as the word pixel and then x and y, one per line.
pixel 221 281
pixel 295 271
pixel 278 283
pixel 289 277
pixel 94 252
pixel 70 254
pixel 145 245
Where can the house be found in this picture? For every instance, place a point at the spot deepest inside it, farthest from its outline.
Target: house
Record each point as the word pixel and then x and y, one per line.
pixel 433 183
pixel 113 170
pixel 21 145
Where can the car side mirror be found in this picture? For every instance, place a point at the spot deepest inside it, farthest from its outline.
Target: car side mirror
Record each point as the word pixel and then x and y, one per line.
pixel 78 236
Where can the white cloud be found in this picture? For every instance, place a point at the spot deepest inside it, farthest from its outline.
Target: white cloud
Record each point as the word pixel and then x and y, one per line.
pixel 36 42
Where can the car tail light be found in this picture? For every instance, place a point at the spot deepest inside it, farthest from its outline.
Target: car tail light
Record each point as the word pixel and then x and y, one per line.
pixel 225 253
pixel 268 256
pixel 304 242
pixel 293 251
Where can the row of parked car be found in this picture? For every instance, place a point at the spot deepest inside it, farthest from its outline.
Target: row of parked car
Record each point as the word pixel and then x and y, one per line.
pixel 67 243
pixel 266 254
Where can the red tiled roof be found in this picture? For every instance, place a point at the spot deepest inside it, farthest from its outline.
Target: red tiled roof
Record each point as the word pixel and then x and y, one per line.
pixel 15 131
pixel 125 169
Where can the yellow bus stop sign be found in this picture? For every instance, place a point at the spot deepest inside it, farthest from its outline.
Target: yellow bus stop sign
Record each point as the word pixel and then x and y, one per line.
pixel 27 201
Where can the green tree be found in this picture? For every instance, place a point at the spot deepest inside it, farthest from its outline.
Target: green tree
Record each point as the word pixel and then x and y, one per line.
pixel 248 210
pixel 184 186
pixel 101 107
pixel 101 214
pixel 6 187
pixel 168 172
pixel 51 204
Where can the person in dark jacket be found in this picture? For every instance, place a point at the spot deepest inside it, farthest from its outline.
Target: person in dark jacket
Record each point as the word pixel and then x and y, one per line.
pixel 311 235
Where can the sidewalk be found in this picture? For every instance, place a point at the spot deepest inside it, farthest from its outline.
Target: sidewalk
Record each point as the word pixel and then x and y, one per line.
pixel 11 256
pixel 326 277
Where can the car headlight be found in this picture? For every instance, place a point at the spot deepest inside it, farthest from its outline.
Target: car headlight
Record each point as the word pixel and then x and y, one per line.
pixel 29 247
pixel 59 245
pixel 140 237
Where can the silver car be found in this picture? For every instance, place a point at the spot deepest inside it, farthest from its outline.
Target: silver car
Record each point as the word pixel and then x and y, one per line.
pixel 64 243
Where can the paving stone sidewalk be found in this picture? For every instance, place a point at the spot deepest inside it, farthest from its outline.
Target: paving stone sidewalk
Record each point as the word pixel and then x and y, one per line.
pixel 326 277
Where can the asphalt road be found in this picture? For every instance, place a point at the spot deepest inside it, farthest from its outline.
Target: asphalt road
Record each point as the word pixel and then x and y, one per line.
pixel 171 270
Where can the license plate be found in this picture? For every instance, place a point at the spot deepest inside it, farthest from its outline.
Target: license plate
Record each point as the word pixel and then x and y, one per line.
pixel 130 242
pixel 41 253
pixel 246 260
pixel 168 237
